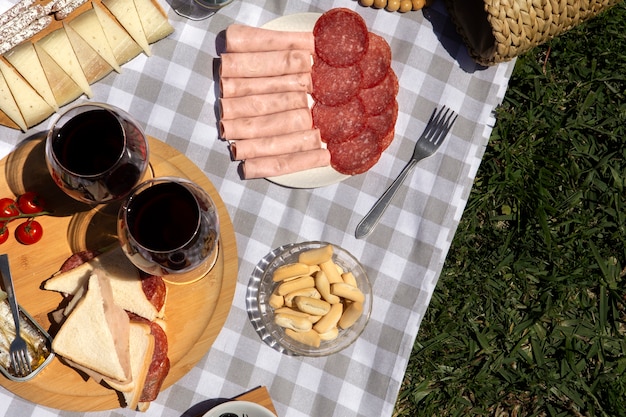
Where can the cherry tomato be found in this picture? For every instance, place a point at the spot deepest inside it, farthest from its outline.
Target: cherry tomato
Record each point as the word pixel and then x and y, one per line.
pixel 4 232
pixel 29 232
pixel 8 207
pixel 30 203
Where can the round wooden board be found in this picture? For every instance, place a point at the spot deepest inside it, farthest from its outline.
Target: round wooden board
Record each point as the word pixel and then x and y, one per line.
pixel 195 313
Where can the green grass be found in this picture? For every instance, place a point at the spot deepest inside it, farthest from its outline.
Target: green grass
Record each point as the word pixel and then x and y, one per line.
pixel 528 317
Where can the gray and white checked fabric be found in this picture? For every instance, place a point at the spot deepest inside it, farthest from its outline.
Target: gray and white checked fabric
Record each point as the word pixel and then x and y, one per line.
pixel 173 95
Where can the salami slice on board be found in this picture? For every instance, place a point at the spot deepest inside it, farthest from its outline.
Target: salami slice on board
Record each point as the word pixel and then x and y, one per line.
pixel 341 37
pixel 339 123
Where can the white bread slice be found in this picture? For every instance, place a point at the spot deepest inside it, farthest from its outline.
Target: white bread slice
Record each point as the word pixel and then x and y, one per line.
pixel 141 350
pixel 95 335
pixel 123 275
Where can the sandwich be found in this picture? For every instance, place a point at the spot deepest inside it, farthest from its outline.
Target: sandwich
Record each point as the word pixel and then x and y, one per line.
pixel 95 335
pixel 134 291
pixel 107 299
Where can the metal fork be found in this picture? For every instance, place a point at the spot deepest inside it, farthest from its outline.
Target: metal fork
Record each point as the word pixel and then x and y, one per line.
pixel 18 349
pixel 433 136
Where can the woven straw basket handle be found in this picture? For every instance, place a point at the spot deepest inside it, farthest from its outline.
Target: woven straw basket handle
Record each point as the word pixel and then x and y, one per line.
pixel 499 30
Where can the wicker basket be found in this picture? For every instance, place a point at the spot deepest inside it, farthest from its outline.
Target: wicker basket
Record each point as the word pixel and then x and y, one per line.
pixel 499 30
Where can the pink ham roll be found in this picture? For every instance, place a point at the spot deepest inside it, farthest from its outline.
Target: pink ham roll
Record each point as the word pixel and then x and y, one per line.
pixel 305 140
pixel 268 125
pixel 265 64
pixel 272 166
pixel 242 38
pixel 239 87
pixel 260 104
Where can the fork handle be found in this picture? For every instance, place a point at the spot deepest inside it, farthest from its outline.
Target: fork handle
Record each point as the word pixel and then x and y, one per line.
pixel 365 226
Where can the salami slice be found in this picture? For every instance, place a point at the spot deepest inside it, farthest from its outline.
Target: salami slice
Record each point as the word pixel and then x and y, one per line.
pixel 384 122
pixel 357 155
pixel 334 86
pixel 159 367
pixel 376 62
pixel 339 123
pixel 385 141
pixel 341 37
pixel 377 99
pixel 154 288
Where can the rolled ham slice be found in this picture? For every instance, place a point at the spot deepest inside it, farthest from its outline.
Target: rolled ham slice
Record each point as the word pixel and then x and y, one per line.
pixel 268 125
pixel 261 104
pixel 239 87
pixel 242 38
pixel 272 166
pixel 305 140
pixel 265 64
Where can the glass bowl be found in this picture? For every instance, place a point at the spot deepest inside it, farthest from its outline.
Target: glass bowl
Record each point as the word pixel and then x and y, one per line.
pixel 273 334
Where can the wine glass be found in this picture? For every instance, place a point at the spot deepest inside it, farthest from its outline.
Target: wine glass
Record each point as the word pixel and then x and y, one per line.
pixel 169 227
pixel 197 9
pixel 96 153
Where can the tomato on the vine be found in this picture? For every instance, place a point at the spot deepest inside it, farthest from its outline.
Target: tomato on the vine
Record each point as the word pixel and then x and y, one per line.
pixel 8 207
pixel 29 232
pixel 30 203
pixel 4 232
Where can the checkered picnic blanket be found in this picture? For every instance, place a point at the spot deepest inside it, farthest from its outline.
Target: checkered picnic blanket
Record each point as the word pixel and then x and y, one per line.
pixel 173 93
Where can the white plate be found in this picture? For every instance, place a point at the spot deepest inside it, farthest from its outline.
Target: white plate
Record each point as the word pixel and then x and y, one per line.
pixel 316 177
pixel 239 408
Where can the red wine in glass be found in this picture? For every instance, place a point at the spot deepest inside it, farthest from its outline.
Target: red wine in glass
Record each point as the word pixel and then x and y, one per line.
pixel 168 226
pixel 96 153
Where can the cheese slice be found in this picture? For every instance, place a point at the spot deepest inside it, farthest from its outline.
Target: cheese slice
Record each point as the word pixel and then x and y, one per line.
pixel 93 65
pixel 34 109
pixel 24 59
pixel 89 28
pixel 155 24
pixel 126 13
pixel 9 106
pixel 122 44
pixel 58 46
pixel 63 87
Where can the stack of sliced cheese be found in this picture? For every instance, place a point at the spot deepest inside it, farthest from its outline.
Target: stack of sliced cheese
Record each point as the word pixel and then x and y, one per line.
pixel 58 65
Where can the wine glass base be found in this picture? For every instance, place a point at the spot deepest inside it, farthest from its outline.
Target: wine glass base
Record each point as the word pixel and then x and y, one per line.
pixel 195 274
pixel 190 9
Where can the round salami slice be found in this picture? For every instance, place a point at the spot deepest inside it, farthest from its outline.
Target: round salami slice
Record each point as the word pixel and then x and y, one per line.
pixel 376 62
pixel 339 123
pixel 385 141
pixel 377 99
pixel 384 122
pixel 334 86
pixel 341 37
pixel 356 155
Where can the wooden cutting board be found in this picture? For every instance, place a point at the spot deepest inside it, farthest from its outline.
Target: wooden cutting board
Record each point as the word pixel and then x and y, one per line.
pixel 195 313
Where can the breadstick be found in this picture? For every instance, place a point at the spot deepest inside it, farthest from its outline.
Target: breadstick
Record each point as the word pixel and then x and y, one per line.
pixel 312 305
pixel 316 256
pixel 347 291
pixel 306 292
pixel 350 315
pixel 330 320
pixel 295 284
pixel 290 271
pixel 289 310
pixel 330 335
pixel 331 271
pixel 290 321
pixel 311 338
pixel 323 286
pixel 348 278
